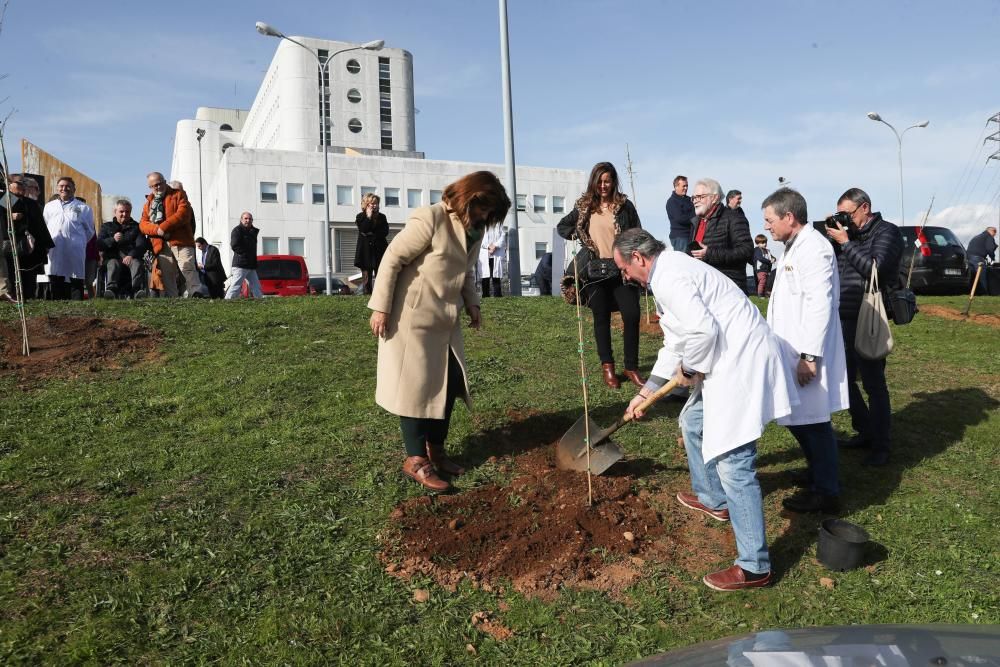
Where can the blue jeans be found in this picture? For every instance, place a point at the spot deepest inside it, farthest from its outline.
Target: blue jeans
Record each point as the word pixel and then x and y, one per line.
pixel 728 481
pixel 819 445
pixel 680 244
pixel 236 283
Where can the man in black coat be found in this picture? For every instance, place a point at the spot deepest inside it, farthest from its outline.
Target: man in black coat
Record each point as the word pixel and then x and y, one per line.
pixel 680 211
pixel 982 247
pixel 32 241
pixel 722 234
pixel 867 239
pixel 120 242
pixel 243 241
pixel 213 276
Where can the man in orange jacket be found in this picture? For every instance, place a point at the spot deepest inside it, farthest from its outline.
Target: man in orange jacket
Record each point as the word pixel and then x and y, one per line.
pixel 166 220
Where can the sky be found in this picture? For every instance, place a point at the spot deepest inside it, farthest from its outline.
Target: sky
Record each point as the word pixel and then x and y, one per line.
pixel 743 92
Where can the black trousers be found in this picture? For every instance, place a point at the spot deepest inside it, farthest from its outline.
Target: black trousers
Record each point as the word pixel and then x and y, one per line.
pixel 871 421
pixel 66 290
pixel 488 281
pixel 417 432
pixel 605 297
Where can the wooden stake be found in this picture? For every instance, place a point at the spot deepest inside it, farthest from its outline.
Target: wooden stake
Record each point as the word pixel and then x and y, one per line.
pixel 914 255
pixel 583 375
pixel 975 283
pixel 18 289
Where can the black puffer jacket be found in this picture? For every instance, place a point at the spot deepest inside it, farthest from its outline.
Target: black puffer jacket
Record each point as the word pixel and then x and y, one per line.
pixel 730 246
pixel 879 240
pixel 128 245
pixel 243 241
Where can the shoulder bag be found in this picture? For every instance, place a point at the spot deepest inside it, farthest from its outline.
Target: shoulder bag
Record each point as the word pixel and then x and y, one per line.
pixel 873 337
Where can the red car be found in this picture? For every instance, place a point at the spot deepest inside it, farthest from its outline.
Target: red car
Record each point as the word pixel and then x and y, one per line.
pixel 283 275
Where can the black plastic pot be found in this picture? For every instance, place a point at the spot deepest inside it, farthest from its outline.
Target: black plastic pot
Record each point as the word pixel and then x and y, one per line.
pixel 841 544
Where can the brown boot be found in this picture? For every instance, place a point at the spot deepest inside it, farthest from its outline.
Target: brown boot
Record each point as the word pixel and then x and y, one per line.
pixel 440 461
pixel 421 471
pixel 634 377
pixel 610 378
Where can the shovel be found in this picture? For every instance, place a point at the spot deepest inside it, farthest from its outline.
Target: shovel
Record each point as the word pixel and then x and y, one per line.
pixel 571 452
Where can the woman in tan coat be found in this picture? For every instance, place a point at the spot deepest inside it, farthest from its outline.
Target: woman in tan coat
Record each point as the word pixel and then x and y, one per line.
pixel 426 275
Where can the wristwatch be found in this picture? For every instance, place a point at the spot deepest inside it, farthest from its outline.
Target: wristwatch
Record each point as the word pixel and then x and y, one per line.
pixel 808 357
pixel 688 374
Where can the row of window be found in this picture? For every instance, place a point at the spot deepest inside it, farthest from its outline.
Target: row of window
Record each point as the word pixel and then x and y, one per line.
pixel 269 245
pixel 295 194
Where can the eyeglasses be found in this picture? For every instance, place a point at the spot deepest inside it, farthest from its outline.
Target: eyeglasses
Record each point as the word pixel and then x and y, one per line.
pixel 701 196
pixel 158 184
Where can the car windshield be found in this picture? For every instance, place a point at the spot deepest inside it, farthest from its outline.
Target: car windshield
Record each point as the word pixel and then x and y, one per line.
pixel 279 269
pixel 940 237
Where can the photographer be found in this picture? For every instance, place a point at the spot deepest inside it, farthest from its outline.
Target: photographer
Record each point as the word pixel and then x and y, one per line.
pixel 861 237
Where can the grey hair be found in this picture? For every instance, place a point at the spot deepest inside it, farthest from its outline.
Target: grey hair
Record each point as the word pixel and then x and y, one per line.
pixel 786 200
pixel 154 173
pixel 711 185
pixel 29 181
pixel 176 185
pixel 638 240
pixel 123 202
pixel 856 196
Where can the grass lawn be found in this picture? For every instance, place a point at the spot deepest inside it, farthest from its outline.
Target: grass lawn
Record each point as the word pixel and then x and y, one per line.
pixel 224 503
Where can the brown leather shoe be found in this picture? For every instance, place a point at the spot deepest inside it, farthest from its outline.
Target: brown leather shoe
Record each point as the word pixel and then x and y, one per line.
pixel 420 470
pixel 736 579
pixel 634 377
pixel 691 501
pixel 610 378
pixel 440 461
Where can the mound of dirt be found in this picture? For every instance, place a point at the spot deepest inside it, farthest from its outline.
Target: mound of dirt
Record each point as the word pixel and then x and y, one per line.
pixel 954 314
pixel 539 534
pixel 63 347
pixel 650 327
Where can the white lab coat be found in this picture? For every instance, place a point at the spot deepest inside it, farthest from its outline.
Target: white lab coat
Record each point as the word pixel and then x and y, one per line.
pixel 497 236
pixel 71 227
pixel 710 326
pixel 804 315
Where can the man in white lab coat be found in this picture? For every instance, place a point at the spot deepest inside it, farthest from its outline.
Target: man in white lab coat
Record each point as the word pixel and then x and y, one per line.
pixel 717 343
pixel 493 250
pixel 804 315
pixel 71 225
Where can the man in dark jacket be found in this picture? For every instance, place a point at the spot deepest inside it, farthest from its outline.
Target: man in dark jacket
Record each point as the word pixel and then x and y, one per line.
pixel 868 239
pixel 120 242
pixel 32 241
pixel 213 276
pixel 982 247
pixel 722 233
pixel 243 241
pixel 680 211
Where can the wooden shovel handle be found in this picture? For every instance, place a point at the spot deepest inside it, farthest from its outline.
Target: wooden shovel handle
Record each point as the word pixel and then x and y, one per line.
pixel 653 398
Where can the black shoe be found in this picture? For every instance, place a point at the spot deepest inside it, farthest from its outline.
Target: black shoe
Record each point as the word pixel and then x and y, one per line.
pixel 801 478
pixel 857 442
pixel 810 501
pixel 110 294
pixel 876 459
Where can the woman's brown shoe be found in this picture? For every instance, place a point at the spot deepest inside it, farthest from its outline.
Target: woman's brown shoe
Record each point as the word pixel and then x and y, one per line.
pixel 440 461
pixel 420 470
pixel 610 378
pixel 634 377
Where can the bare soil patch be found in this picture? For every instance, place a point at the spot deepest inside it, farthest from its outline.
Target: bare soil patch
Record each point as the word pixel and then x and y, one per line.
pixel 953 314
pixel 538 534
pixel 650 327
pixel 66 347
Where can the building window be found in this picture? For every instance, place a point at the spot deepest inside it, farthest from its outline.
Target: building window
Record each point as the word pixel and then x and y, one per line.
pixel 268 191
pixel 435 196
pixel 318 194
pixel 522 202
pixel 354 125
pixel 365 189
pixel 353 96
pixel 297 246
pixel 540 249
pixel 226 147
pixel 538 202
pixel 392 196
pixel 345 195
pixel 226 127
pixel 385 102
pixel 353 66
pixel 293 193
pixel 269 245
pixel 414 198
pixel 558 204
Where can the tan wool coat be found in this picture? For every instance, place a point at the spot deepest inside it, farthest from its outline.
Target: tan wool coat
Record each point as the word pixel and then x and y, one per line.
pixel 425 280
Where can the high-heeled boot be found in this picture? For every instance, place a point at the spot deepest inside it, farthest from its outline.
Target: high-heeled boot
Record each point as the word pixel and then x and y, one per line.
pixel 437 457
pixel 610 378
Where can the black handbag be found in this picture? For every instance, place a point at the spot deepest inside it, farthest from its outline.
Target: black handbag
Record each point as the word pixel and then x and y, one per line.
pixel 602 269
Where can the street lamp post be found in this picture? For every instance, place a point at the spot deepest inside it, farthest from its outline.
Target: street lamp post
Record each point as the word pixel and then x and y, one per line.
pixel 513 241
pixel 375 45
pixel 201 189
pixel 899 141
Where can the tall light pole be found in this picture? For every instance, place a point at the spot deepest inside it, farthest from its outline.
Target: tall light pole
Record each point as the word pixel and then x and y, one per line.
pixel 374 45
pixel 899 141
pixel 513 241
pixel 201 189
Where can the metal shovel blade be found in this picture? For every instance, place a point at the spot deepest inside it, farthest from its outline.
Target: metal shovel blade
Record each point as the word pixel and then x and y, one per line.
pixel 571 452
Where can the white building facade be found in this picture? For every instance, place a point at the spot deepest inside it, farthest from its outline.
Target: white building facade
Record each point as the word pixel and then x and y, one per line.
pixel 269 160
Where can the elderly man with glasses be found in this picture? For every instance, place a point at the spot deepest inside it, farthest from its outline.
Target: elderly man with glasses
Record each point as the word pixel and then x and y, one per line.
pixel 166 220
pixel 721 236
pixel 868 238
pixel 31 242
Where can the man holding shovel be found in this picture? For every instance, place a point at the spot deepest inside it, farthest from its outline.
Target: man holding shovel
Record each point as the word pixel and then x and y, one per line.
pixel 717 343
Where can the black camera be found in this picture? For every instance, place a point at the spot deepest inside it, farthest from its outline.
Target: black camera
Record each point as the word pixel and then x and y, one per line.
pixel 843 217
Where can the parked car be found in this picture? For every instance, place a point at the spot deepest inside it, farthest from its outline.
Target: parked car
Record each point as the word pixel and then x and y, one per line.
pixel 937 267
pixel 283 275
pixel 317 285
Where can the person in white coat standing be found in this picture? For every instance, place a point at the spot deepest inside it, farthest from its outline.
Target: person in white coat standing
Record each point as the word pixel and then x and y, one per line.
pixel 804 315
pixel 717 343
pixel 71 225
pixel 492 251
